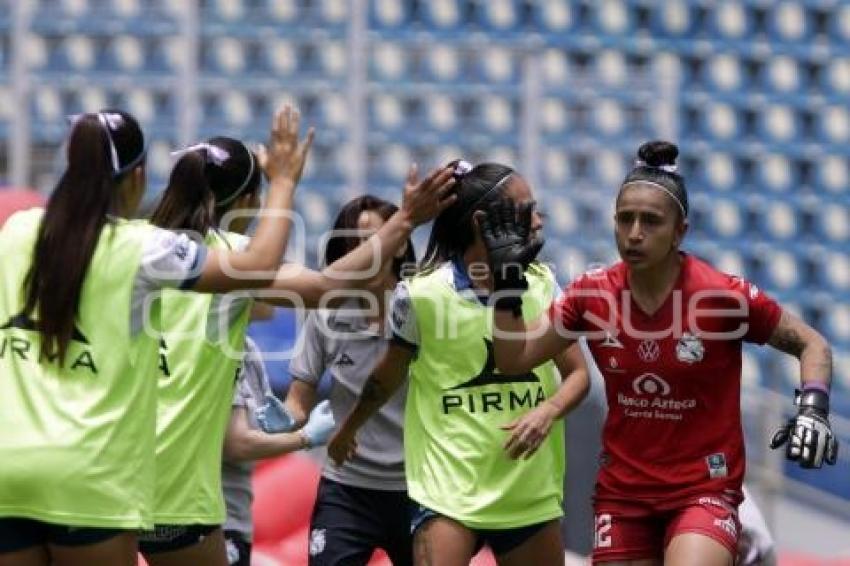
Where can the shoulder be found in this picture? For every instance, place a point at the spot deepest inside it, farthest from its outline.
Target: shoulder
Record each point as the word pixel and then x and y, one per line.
pixel 601 277
pixel 702 276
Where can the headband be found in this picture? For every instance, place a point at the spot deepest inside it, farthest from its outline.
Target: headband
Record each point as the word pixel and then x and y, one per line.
pixel 217 156
pixel 111 121
pixel 667 191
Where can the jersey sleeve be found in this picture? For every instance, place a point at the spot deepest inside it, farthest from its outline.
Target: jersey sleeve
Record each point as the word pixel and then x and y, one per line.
pixel 763 312
pixel 308 364
pixel 405 332
pixel 567 309
pixel 170 260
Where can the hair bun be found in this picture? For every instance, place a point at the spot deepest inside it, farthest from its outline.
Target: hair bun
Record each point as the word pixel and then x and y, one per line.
pixel 658 153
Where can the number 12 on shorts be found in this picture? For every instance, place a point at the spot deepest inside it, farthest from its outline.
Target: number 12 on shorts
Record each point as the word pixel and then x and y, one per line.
pixel 603 531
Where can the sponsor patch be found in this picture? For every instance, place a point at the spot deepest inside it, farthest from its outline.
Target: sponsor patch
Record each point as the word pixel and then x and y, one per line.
pixel 717 465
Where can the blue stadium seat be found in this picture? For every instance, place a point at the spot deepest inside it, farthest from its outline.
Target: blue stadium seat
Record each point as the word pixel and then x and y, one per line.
pixel 833 124
pixel 497 65
pixel 500 15
pixel 281 56
pixel 387 111
pixel 612 17
pixel 751 376
pixel 724 73
pixel 673 18
pixel 777 173
pixel 717 217
pixel 731 19
pixel 555 168
pixel 775 267
pixel 388 61
pixel 334 59
pixel 839 23
pixel 445 14
pixel 837 323
pixel 440 112
pixel 611 67
pixel 389 164
pixel 554 67
pixel 721 121
pixel 553 16
pixel 835 78
pixel 779 123
pixel 830 172
pixel 389 14
pixel 829 220
pixel 719 171
pixel 444 63
pixel 562 215
pixel 554 118
pixel 496 115
pixel 783 75
pixel 790 21
pixel 829 268
pixel 608 118
pixel 776 218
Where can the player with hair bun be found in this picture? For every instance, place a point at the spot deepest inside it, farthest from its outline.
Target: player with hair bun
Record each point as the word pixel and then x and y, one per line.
pixel 666 330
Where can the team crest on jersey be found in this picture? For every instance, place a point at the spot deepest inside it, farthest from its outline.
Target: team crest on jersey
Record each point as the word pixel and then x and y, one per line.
pixel 689 349
pixel 610 341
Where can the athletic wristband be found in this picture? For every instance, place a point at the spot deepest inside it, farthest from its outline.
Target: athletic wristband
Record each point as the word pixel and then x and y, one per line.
pixel 816 385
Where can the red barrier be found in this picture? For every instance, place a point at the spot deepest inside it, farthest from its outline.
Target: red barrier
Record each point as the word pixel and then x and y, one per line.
pixel 284 493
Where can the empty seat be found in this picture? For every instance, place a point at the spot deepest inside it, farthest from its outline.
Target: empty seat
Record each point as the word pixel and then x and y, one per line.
pixel 836 75
pixel 388 61
pixel 555 168
pixel 554 116
pixel 444 63
pixel 612 17
pixel 444 14
pixel 731 19
pixel 441 112
pixel 724 72
pixel 281 56
pixel 498 65
pixel 831 173
pixel 783 74
pixel 673 18
pixel 389 14
pixel 500 15
pixel 719 171
pixel 789 21
pixel 387 111
pixel 554 16
pixel 776 173
pixel 779 123
pixel 555 66
pixel 833 124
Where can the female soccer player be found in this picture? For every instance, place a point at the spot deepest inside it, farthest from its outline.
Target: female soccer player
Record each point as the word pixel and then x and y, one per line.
pixel 77 399
pixel 362 505
pixel 480 461
pixel 247 439
pixel 202 339
pixel 666 330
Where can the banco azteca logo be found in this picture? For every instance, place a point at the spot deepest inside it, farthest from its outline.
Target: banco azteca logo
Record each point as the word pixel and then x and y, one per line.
pixel 650 384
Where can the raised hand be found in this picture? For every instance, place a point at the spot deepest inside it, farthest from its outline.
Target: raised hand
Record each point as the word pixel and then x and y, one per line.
pixel 285 155
pixel 424 200
pixel 511 247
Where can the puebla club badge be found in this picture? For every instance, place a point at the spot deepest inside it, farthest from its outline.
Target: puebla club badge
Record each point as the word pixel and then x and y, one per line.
pixel 690 349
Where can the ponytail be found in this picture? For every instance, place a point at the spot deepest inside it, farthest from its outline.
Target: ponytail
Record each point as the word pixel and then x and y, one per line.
pixel 187 203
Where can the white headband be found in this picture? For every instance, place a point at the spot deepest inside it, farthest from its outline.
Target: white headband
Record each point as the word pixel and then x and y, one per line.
pixel 667 191
pixel 218 156
pixel 110 121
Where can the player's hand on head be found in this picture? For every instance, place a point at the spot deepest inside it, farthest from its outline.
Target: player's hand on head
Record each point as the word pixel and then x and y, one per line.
pixel 808 436
pixel 424 200
pixel 286 154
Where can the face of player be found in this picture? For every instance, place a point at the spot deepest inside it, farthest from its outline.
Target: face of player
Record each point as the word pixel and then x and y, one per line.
pixel 648 226
pixel 519 191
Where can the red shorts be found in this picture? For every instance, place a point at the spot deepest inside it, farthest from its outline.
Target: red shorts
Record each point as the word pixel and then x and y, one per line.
pixel 635 530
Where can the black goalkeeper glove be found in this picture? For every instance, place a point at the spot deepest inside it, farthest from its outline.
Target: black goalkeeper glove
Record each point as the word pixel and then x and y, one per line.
pixel 808 436
pixel 511 247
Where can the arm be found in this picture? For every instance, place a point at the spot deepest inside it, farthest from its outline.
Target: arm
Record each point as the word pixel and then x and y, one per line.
pixel 384 380
pixel 243 443
pixel 283 164
pixel 529 431
pixel 296 285
pixel 807 436
pixel 795 337
pixel 300 400
pixel 520 347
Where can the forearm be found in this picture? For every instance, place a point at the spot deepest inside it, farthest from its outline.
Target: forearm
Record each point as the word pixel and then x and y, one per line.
pixel 816 363
pixel 798 339
pixel 376 392
pixel 266 249
pixel 256 445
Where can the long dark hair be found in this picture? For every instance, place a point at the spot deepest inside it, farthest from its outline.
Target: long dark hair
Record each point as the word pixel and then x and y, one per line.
pixel 205 182
pixel 102 149
pixel 346 222
pixel 656 163
pixel 453 230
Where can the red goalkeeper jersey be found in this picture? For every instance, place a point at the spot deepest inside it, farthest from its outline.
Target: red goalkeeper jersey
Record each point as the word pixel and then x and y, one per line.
pixel 672 378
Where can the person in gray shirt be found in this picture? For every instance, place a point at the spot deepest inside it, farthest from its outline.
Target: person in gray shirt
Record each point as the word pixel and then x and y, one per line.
pixel 361 505
pixel 249 438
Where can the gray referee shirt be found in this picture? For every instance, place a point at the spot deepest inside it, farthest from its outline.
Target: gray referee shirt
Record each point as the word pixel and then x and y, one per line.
pixel 341 342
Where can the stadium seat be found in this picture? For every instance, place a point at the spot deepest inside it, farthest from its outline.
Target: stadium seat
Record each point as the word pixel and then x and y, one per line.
pixel 388 61
pixel 777 173
pixel 831 173
pixel 836 76
pixel 778 123
pixel 833 124
pixel 498 65
pixel 612 17
pixel 555 168
pixel 776 218
pixel 731 19
pixel 500 15
pixel 444 63
pixel 790 21
pixel 389 14
pixel 673 18
pixel 724 73
pixel 445 14
pixel 783 75
pixel 839 23
pixel 553 16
